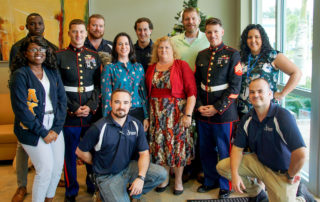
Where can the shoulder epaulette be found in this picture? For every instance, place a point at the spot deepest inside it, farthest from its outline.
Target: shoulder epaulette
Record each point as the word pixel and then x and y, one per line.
pixel 87 49
pixel 203 50
pixel 230 49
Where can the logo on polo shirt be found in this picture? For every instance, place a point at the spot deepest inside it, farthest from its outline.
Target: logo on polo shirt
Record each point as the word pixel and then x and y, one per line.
pixel 267 129
pixel 129 133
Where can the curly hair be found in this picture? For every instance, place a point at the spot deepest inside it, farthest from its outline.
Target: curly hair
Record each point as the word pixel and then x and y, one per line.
pixel 265 47
pixel 132 55
pixel 20 60
pixel 155 57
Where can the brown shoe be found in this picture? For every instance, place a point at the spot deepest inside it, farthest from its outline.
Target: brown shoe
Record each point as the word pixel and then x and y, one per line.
pixel 19 195
pixel 48 199
pixel 61 183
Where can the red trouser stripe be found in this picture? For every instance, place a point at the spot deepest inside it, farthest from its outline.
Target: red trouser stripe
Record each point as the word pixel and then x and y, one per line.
pixel 66 174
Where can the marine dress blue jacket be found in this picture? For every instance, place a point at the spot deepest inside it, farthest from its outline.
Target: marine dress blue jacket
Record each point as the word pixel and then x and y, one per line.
pixel 28 104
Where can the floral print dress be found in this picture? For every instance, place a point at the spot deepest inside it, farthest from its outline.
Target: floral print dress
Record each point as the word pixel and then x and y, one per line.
pixel 170 143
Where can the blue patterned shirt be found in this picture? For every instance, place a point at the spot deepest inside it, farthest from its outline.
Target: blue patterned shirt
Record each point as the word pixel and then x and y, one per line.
pixel 131 78
pixel 260 69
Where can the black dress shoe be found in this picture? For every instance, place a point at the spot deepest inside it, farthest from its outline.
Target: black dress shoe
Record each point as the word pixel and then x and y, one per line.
pixel 204 188
pixel 162 189
pixel 70 199
pixel 177 192
pixel 223 193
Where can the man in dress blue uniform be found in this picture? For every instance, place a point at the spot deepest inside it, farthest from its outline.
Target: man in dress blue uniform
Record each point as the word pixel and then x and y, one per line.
pixel 278 150
pixel 35 26
pixel 218 77
pixel 143 47
pixel 80 73
pixel 115 139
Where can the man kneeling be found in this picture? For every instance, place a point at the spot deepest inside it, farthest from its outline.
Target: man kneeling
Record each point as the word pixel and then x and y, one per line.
pixel 278 150
pixel 115 139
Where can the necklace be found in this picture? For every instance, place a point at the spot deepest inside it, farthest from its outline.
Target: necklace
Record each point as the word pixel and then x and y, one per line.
pixel 250 67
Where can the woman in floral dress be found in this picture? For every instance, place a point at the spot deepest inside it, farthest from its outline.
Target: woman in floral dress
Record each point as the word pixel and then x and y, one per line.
pixel 172 96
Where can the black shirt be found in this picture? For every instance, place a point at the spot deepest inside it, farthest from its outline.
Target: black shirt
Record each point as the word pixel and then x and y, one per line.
pixel 143 54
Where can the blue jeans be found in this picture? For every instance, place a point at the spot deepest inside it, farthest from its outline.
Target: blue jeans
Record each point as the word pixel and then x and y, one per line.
pixel 114 187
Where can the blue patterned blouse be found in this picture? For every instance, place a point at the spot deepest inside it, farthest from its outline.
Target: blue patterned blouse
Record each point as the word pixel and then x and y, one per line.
pixel 259 68
pixel 131 78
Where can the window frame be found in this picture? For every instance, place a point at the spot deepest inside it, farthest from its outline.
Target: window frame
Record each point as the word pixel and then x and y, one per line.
pixel 313 180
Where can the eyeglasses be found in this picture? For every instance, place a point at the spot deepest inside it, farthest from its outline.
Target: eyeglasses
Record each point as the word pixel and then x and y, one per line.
pixel 34 50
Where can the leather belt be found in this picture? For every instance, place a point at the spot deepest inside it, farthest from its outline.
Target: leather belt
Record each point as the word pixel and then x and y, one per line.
pixel 214 88
pixel 80 89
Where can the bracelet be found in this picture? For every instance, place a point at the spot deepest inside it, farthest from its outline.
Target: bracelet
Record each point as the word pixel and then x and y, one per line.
pixel 141 177
pixel 188 115
pixel 288 176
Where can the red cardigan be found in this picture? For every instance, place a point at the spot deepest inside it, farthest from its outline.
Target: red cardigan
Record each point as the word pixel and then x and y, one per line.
pixel 181 78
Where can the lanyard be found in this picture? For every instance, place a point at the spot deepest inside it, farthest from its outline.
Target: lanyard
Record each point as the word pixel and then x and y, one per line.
pixel 250 68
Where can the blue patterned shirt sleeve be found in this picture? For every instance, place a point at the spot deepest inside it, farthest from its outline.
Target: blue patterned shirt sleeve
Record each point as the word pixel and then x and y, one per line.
pixel 106 88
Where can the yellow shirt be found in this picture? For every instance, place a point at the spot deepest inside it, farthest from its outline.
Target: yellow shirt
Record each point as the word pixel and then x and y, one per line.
pixel 189 52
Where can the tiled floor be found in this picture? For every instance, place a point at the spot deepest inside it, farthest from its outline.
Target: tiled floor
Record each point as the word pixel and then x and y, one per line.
pixel 8 186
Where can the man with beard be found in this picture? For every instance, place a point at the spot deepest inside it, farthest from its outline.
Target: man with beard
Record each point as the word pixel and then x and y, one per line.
pixel 94 41
pixel 80 73
pixel 188 44
pixel 35 26
pixel 143 47
pixel 115 139
pixel 192 41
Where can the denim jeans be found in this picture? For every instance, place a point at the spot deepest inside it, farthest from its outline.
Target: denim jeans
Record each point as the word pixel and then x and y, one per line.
pixel 21 166
pixel 113 188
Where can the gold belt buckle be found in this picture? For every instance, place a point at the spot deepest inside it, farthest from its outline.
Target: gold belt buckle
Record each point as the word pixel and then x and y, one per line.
pixel 81 89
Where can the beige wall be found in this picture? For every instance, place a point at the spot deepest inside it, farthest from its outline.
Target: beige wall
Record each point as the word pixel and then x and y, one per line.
pixel 121 14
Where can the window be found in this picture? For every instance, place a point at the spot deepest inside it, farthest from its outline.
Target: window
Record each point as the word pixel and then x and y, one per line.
pixel 289 27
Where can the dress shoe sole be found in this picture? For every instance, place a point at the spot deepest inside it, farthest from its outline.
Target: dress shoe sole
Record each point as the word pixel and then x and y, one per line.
pixel 161 189
pixel 177 192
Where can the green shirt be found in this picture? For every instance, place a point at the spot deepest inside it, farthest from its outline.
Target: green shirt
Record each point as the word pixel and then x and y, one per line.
pixel 189 52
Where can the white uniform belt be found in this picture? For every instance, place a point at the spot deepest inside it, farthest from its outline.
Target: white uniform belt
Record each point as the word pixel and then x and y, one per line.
pixel 214 88
pixel 80 89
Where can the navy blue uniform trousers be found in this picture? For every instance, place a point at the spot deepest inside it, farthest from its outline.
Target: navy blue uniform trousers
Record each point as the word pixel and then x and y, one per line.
pixel 214 143
pixel 72 138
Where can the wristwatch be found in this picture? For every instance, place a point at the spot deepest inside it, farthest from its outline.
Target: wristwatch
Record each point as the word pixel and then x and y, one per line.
pixel 141 177
pixel 288 176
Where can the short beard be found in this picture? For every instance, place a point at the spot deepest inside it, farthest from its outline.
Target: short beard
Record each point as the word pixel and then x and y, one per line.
pixel 119 116
pixel 94 37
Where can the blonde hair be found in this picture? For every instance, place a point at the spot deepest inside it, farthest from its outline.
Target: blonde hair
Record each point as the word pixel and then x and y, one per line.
pixel 155 57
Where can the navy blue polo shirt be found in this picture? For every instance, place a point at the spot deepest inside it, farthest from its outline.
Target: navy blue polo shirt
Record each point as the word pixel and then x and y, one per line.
pixel 143 55
pixel 111 158
pixel 105 46
pixel 273 139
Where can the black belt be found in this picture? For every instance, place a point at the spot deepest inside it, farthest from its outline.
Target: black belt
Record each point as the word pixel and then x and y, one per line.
pixel 280 171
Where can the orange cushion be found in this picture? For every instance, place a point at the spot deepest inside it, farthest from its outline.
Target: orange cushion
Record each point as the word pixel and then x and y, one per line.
pixel 6 134
pixel 7 115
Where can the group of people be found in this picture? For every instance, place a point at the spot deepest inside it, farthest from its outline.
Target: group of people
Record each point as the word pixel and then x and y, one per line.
pixel 118 106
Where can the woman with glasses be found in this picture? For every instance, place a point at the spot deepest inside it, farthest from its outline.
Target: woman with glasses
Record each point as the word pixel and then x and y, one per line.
pixel 39 104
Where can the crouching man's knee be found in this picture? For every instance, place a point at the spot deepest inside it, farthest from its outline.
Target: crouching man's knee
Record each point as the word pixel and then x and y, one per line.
pixel 224 169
